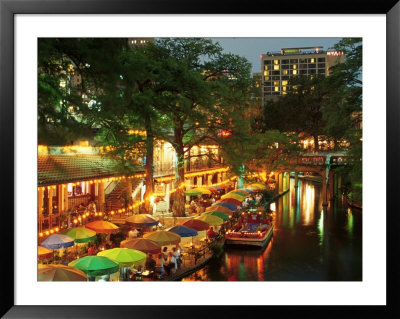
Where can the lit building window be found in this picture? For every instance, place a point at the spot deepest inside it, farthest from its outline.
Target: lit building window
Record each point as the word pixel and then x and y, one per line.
pixel 276 67
pixel 276 83
pixel 284 82
pixel 266 72
pixel 294 72
pixel 284 93
pixel 312 60
pixel 267 78
pixel 276 61
pixel 276 88
pixel 283 88
pixel 285 72
pixel 294 66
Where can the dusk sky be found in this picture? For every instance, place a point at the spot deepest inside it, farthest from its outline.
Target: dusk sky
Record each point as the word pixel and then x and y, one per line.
pixel 251 48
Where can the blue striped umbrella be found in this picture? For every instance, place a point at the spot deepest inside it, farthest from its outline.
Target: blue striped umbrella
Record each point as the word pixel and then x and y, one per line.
pixel 183 231
pixel 227 205
pixel 57 241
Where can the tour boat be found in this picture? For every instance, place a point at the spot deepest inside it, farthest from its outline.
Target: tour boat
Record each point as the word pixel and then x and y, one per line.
pixel 256 233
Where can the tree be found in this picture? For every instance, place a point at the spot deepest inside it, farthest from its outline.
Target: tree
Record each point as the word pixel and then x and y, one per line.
pixel 301 110
pixel 198 91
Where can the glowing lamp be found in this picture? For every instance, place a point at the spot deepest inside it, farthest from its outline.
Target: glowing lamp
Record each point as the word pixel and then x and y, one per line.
pixel 75 221
pixel 47 233
pixel 51 231
pixel 79 218
pixel 95 214
pixel 100 214
pixel 84 216
pixel 57 229
pixel 40 234
pixel 112 213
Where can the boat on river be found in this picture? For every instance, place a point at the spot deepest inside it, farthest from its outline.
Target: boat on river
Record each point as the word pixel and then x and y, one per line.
pixel 255 231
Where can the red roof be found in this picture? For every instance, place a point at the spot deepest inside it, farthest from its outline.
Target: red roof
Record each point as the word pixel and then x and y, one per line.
pixel 56 169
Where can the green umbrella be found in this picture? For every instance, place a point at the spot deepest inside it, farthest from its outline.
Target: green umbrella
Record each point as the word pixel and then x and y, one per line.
pixel 80 234
pixel 125 257
pixel 95 265
pixel 221 215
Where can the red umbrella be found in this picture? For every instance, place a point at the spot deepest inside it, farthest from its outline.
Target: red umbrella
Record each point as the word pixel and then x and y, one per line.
pixel 196 224
pixel 142 244
pixel 231 200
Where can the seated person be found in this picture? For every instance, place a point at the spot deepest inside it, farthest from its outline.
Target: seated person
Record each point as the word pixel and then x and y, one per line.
pixel 211 234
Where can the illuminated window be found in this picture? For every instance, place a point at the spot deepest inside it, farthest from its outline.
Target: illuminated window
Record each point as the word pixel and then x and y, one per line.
pixel 276 61
pixel 276 67
pixel 294 72
pixel 266 72
pixel 267 78
pixel 283 88
pixel 294 66
pixel 285 72
pixel 312 60
pixel 284 82
pixel 276 83
pixel 284 93
pixel 276 88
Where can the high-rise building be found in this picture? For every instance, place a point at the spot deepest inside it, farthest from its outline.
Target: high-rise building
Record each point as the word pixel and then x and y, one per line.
pixel 278 67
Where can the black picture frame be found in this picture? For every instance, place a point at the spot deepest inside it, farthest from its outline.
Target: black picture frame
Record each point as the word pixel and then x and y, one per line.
pixel 8 10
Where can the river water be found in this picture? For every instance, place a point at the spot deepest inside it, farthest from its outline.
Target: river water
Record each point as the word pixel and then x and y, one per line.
pixel 308 244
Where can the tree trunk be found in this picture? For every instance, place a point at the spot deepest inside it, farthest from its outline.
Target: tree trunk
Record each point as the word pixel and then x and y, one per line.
pixel 178 197
pixel 316 145
pixel 148 208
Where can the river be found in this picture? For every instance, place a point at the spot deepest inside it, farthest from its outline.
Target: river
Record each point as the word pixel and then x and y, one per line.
pixel 308 244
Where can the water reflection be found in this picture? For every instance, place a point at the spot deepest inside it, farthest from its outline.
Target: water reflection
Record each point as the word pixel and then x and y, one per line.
pixel 308 244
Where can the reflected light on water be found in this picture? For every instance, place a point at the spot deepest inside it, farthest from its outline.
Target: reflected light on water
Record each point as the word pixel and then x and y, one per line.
pixel 321 228
pixel 308 203
pixel 350 221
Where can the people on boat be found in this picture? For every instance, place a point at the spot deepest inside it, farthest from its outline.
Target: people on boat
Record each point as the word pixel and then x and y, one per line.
pixel 160 266
pixel 211 234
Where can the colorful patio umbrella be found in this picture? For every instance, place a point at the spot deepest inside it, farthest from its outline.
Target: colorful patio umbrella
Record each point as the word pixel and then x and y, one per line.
pixel 223 216
pixel 44 253
pixel 141 220
pixel 219 208
pixel 57 241
pixel 231 206
pixel 95 265
pixel 125 257
pixel 183 231
pixel 199 225
pixel 214 188
pixel 102 226
pixel 246 190
pixel 60 273
pixel 234 196
pixel 142 244
pixel 231 200
pixel 80 234
pixel 163 237
pixel 210 219
pixel 197 191
pixel 257 186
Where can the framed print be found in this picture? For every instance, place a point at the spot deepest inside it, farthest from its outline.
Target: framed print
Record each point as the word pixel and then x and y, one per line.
pixel 316 200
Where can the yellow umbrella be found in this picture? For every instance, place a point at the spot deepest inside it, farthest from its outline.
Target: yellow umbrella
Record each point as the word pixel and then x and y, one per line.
pixel 44 253
pixel 60 273
pixel 198 191
pixel 219 208
pixel 125 257
pixel 234 196
pixel 257 185
pixel 211 219
pixel 102 226
pixel 163 237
